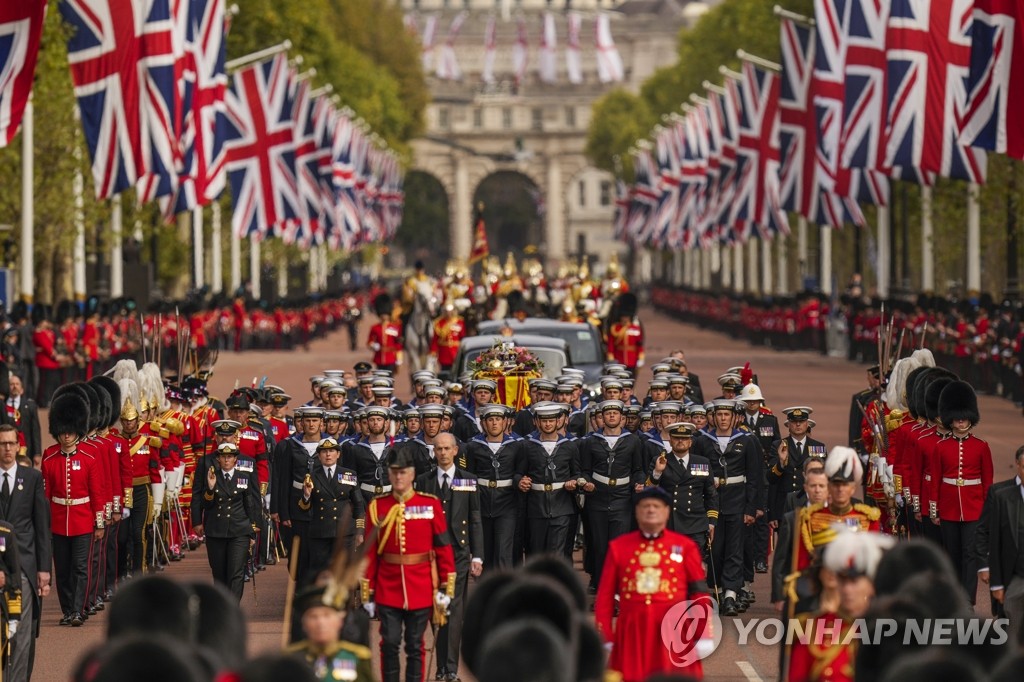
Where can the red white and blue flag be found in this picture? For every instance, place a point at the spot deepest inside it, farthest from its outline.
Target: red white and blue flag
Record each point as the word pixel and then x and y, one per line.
pixel 260 148
pixel 122 64
pixel 928 51
pixel 21 24
pixel 995 84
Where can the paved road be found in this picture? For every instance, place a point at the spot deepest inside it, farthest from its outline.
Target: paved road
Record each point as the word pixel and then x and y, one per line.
pixel 792 378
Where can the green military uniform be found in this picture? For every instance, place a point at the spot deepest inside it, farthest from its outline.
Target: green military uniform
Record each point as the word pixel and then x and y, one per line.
pixel 342 661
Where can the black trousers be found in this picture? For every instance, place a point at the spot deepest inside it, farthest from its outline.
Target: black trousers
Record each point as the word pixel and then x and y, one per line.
pixel 605 525
pixel 449 637
pixel 392 621
pixel 137 536
pixel 958 539
pixel 755 546
pixel 320 551
pixel 97 570
pixel 227 561
pixel 110 561
pixel 727 553
pixel 549 536
pixel 300 530
pixel 499 539
pixel 71 570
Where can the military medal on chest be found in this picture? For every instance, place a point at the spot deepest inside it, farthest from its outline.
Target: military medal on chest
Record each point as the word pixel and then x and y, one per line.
pixel 648 578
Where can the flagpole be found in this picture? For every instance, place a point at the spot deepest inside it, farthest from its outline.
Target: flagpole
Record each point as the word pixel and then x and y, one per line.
pixel 801 248
pixel 766 266
pixel 826 260
pixel 782 256
pixel 216 273
pixel 77 190
pixel 259 55
pixel 198 245
pixel 116 242
pixel 255 269
pixel 236 262
pixel 927 241
pixel 758 61
pixel 783 13
pixel 27 252
pixel 282 275
pixel 882 266
pixel 973 240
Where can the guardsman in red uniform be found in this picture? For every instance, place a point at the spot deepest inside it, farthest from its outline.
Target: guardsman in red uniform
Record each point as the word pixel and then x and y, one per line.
pixel 48 360
pixel 385 339
pixel 410 571
pixel 653 570
pixel 144 455
pixel 72 480
pixel 625 339
pixel 961 478
pixel 119 477
pixel 828 650
pixel 448 334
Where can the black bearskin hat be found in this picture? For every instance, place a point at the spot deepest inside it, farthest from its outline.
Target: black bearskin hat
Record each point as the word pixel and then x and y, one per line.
pixel 40 312
pixel 916 376
pixel 113 391
pixel 958 401
pixel 69 413
pixel 627 304
pixel 516 301
pixel 931 397
pixel 382 304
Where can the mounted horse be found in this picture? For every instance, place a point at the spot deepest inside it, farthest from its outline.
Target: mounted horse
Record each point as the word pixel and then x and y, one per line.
pixel 419 321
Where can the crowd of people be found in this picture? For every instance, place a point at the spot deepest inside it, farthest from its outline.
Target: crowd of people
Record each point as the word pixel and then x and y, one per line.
pixel 451 510
pixel 982 340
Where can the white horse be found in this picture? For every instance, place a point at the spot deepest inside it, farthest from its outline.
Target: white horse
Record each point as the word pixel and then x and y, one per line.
pixel 419 326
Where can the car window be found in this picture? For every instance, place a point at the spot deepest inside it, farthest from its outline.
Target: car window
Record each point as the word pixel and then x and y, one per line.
pixel 553 359
pixel 583 344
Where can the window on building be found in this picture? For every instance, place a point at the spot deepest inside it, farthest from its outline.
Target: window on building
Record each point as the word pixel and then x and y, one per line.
pixel 606 193
pixel 443 118
pixel 506 118
pixel 478 118
pixel 538 118
pixel 570 117
pixel 582 187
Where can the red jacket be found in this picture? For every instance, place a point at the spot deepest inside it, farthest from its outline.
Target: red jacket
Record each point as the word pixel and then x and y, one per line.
pixel 252 444
pixel 73 486
pixel 45 342
pixel 961 478
pixel 448 334
pixel 144 454
pixel 626 343
pixel 650 577
pixel 389 336
pixel 411 535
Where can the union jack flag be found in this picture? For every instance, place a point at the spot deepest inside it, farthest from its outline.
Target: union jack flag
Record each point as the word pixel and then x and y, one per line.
pixel 707 208
pixel 667 158
pixel 995 85
pixel 260 148
pixel 204 127
pixel 623 198
pixel 347 227
pixel 21 24
pixel 728 116
pixel 306 229
pixel 693 131
pixel 122 64
pixel 757 195
pixel 645 197
pixel 928 52
pixel 863 52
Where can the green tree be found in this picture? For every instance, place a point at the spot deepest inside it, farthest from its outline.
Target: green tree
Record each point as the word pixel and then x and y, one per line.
pixel 619 119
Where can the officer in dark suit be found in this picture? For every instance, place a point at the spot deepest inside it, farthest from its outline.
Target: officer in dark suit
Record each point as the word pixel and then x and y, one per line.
pixel 687 478
pixel 24 414
pixel 1005 535
pixel 738 469
pixel 325 492
pixel 294 457
pixel 491 457
pixel 26 510
pixel 457 490
pixel 786 460
pixel 612 461
pixel 231 514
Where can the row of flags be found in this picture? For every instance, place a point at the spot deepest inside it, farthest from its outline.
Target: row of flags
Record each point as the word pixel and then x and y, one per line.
pixel 160 113
pixel 439 58
pixel 867 92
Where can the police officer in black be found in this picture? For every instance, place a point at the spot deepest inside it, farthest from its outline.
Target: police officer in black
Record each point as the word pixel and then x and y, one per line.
pixel 687 478
pixel 549 472
pixel 612 460
pixel 491 456
pixel 739 476
pixel 230 514
pixel 325 493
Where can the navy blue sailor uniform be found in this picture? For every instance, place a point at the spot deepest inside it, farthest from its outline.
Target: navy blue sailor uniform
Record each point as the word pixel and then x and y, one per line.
pixel 494 465
pixel 550 508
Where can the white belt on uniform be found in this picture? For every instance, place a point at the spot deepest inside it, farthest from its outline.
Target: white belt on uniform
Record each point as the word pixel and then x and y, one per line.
pixel 610 482
pixel 298 485
pixel 500 483
pixel 732 479
pixel 960 482
pixel 375 489
pixel 70 501
pixel 547 487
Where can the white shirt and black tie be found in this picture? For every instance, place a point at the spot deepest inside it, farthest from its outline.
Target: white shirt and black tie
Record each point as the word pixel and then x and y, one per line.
pixel 444 481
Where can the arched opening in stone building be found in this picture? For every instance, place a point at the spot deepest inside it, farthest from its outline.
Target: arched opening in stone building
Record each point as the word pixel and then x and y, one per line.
pixel 423 234
pixel 513 211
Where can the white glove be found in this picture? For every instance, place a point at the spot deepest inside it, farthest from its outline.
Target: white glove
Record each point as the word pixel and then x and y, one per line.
pixel 125 513
pixel 442 599
pixel 158 490
pixel 12 628
pixel 179 478
pixel 370 608
pixel 266 501
pixel 640 362
pixel 374 346
pixel 705 647
pixel 608 647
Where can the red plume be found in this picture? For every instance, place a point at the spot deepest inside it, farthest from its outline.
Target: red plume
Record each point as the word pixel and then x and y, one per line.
pixel 746 375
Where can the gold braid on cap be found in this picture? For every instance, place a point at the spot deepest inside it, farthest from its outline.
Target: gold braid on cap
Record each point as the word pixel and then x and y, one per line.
pixel 128 411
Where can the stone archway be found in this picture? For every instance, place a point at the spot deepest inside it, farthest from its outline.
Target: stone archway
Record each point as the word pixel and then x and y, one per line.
pixel 514 211
pixel 423 234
